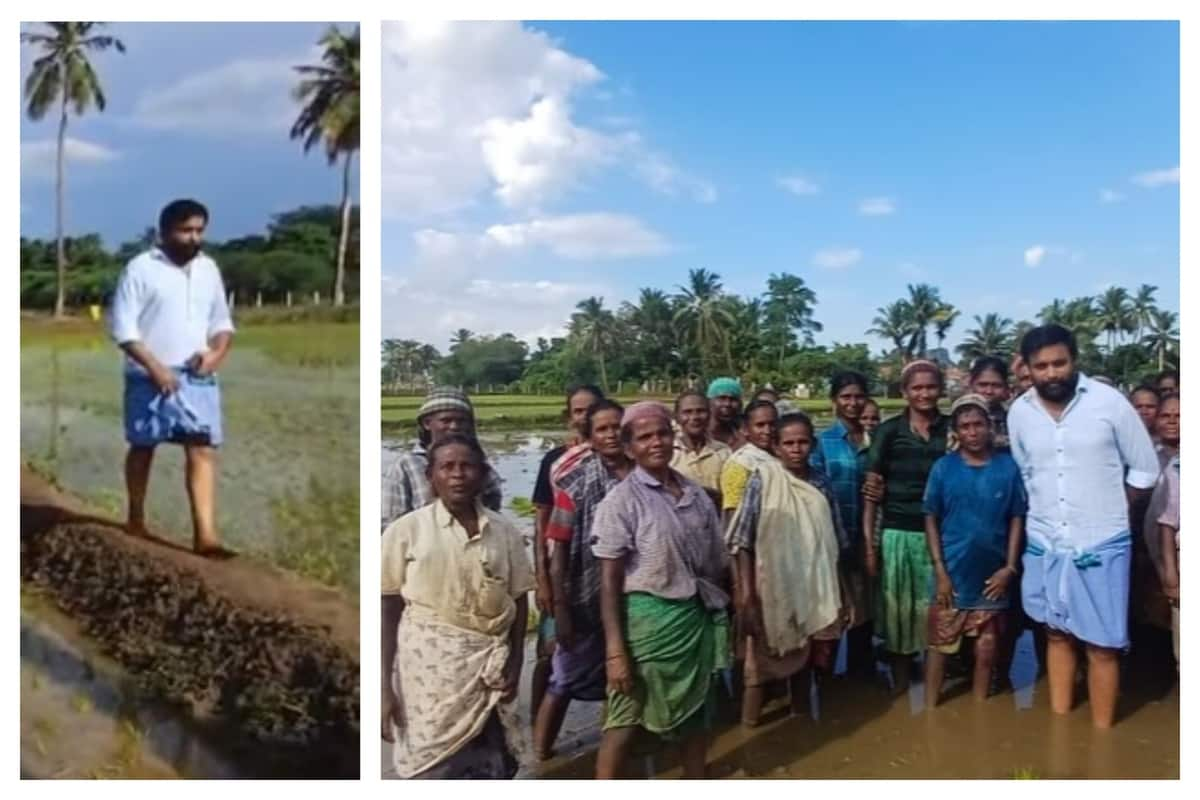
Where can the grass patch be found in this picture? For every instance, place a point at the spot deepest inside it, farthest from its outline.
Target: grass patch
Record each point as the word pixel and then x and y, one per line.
pixel 511 411
pixel 289 339
pixel 317 534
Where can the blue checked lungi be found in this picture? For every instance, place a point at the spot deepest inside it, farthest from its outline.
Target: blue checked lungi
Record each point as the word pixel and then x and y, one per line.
pixel 1084 593
pixel 191 415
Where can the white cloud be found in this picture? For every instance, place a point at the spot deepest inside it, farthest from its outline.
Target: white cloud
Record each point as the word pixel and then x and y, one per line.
pixel 837 257
pixel 244 96
pixel 1110 196
pixel 665 177
pixel 877 207
pixel 1034 255
pixel 1158 177
pixel 798 185
pixel 582 236
pixel 38 157
pixel 536 159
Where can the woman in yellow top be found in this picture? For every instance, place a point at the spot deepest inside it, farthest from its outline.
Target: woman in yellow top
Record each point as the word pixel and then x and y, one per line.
pixel 455 584
pixel 758 427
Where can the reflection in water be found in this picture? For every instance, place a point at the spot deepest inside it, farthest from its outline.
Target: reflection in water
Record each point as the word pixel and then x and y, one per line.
pixel 110 730
pixel 859 732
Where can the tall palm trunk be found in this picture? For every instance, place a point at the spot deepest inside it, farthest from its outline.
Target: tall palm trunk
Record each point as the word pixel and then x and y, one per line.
pixel 60 298
pixel 339 281
pixel 603 371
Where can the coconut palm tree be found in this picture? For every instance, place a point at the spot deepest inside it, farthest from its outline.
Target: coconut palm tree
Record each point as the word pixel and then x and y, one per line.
pixel 1115 314
pixel 63 76
pixel 894 322
pixel 653 328
pixel 1143 307
pixel 329 92
pixel 459 338
pixel 991 336
pixel 942 322
pixel 789 308
pixel 925 306
pixel 1162 337
pixel 593 326
pixel 704 316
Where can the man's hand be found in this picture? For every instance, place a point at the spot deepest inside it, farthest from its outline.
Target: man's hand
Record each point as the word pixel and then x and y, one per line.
pixel 872 487
pixel 996 587
pixel 1171 589
pixel 392 715
pixel 543 595
pixel 564 629
pixel 871 562
pixel 749 615
pixel 512 681
pixel 205 363
pixel 165 379
pixel 945 590
pixel 619 672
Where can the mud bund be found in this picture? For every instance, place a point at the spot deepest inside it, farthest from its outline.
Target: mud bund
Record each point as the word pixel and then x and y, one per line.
pixel 279 692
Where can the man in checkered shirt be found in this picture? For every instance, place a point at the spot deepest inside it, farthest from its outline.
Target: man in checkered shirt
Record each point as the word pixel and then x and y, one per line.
pixel 406 487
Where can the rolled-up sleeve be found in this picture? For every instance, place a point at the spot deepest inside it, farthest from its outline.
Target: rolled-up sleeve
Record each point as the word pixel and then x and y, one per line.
pixel 1137 451
pixel 126 308
pixel 219 318
pixel 394 561
pixel 612 530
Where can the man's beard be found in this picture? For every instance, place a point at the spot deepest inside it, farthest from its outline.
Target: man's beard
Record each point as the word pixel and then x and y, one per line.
pixel 181 253
pixel 1058 391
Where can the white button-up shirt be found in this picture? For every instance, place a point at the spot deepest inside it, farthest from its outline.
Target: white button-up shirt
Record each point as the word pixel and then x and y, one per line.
pixel 1075 468
pixel 173 310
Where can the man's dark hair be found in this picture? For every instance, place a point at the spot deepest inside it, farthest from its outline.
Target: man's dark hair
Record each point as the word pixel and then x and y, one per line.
pixel 595 408
pixel 994 363
pixel 792 418
pixel 847 377
pixel 1145 387
pixel 594 391
pixel 755 406
pixel 1047 336
pixel 691 393
pixel 178 211
pixel 1167 373
pixel 470 442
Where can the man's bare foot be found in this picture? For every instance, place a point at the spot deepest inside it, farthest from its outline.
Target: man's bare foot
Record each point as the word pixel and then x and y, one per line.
pixel 213 551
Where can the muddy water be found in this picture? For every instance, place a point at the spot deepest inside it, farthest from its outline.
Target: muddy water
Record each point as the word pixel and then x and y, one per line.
pixel 861 732
pixel 83 717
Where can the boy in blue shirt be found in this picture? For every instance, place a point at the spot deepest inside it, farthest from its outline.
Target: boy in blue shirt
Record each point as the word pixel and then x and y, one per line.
pixel 974 519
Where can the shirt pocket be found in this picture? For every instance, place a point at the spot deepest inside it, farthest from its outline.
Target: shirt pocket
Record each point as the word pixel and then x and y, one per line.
pixel 495 596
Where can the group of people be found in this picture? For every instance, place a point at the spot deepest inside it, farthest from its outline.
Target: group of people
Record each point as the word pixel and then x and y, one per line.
pixel 674 549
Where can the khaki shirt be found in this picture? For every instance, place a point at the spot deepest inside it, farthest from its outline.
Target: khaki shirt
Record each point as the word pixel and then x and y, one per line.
pixel 473 583
pixel 704 467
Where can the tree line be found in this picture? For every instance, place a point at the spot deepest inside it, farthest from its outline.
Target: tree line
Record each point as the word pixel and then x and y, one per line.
pixel 700 330
pixel 294 260
pixel 62 79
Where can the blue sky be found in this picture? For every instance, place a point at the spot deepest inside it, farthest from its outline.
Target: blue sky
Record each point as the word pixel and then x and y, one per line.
pixel 527 166
pixel 194 109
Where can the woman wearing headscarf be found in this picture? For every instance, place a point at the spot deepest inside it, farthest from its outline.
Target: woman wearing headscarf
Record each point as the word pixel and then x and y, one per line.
pixel 666 627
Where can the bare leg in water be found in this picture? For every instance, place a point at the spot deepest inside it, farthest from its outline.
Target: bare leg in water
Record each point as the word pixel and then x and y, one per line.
pixel 1061 661
pixel 614 749
pixel 550 715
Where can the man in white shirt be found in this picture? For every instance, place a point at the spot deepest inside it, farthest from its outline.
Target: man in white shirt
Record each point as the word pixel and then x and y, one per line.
pixel 170 316
pixel 1086 459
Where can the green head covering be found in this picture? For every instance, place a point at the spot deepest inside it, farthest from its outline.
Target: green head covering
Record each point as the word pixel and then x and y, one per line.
pixel 724 386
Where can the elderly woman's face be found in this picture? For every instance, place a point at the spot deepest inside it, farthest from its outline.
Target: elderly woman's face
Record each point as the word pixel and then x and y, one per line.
pixel 651 442
pixel 606 432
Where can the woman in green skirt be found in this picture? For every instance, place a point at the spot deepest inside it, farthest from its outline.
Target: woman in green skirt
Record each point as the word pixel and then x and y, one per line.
pixel 666 628
pixel 903 451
